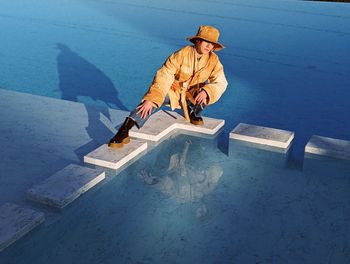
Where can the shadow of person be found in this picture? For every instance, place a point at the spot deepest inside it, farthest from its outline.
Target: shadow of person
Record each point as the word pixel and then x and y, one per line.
pixel 79 79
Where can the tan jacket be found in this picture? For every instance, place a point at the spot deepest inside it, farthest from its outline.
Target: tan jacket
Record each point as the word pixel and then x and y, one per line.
pixel 182 71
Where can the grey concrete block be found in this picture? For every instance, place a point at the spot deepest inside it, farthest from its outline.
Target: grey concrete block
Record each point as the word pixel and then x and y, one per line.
pixel 264 136
pixel 330 147
pixel 15 222
pixel 115 158
pixel 65 186
pixel 163 123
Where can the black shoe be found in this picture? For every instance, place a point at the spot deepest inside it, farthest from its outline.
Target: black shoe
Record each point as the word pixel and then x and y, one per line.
pixel 122 136
pixel 198 121
pixel 195 117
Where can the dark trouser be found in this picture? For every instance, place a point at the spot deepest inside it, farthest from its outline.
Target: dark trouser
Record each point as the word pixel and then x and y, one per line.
pixel 138 120
pixel 195 110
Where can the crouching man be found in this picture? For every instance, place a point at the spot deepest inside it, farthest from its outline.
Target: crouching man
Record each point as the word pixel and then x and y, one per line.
pixel 190 78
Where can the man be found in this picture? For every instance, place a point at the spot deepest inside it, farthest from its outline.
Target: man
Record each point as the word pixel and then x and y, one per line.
pixel 190 78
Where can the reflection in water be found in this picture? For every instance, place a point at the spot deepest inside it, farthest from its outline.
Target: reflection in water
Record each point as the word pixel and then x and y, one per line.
pixel 187 178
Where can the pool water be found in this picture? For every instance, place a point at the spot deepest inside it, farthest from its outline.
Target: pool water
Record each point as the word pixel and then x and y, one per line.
pixel 186 201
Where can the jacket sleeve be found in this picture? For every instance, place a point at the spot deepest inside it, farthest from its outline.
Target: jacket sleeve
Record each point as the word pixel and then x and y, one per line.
pixel 164 79
pixel 217 83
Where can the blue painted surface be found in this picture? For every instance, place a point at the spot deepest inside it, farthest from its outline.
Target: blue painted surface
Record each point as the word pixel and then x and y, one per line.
pixel 287 63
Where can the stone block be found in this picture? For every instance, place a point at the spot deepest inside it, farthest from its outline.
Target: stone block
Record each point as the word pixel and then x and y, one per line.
pixel 329 147
pixel 16 221
pixel 65 186
pixel 164 122
pixel 263 137
pixel 114 158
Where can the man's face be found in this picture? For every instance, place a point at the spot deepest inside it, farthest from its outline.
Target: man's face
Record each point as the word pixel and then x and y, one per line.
pixel 204 47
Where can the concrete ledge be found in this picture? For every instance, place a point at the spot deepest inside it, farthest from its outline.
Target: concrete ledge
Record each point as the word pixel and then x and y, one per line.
pixel 163 122
pixel 271 137
pixel 330 147
pixel 15 222
pixel 115 158
pixel 65 186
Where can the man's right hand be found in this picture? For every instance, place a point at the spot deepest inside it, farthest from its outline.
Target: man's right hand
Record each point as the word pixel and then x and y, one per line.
pixel 145 109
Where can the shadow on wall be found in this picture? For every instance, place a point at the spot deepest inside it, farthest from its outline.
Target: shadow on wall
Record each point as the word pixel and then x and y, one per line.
pixel 78 78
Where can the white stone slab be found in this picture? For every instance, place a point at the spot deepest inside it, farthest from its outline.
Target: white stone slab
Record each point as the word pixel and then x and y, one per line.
pixel 331 147
pixel 163 122
pixel 65 186
pixel 262 135
pixel 16 221
pixel 114 158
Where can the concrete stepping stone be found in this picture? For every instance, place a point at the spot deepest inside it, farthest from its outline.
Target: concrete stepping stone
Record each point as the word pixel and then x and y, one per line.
pixel 163 122
pixel 16 221
pixel 330 147
pixel 65 186
pixel 264 136
pixel 114 158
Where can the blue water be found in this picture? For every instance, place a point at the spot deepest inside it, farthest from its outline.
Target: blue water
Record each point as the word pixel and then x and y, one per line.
pixel 287 63
pixel 202 206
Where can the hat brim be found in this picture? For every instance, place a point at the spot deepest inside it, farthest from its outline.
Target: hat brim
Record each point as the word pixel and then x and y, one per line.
pixel 217 46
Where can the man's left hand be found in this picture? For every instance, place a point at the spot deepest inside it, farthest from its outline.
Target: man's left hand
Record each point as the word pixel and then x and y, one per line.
pixel 201 97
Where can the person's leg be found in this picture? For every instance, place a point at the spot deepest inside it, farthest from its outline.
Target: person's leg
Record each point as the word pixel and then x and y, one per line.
pixel 139 122
pixel 122 136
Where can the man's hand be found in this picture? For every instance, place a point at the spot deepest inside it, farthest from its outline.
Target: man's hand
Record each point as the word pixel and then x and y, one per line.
pixel 201 97
pixel 145 109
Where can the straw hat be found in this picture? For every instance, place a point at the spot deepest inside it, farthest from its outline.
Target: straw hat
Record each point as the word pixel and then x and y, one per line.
pixel 210 34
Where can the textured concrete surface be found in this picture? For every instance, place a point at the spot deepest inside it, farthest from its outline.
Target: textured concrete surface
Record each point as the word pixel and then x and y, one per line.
pixel 115 158
pixel 164 122
pixel 65 186
pixel 271 137
pixel 16 221
pixel 330 147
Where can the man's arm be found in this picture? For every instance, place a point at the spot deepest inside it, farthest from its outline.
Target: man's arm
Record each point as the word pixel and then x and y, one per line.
pixel 164 79
pixel 217 83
